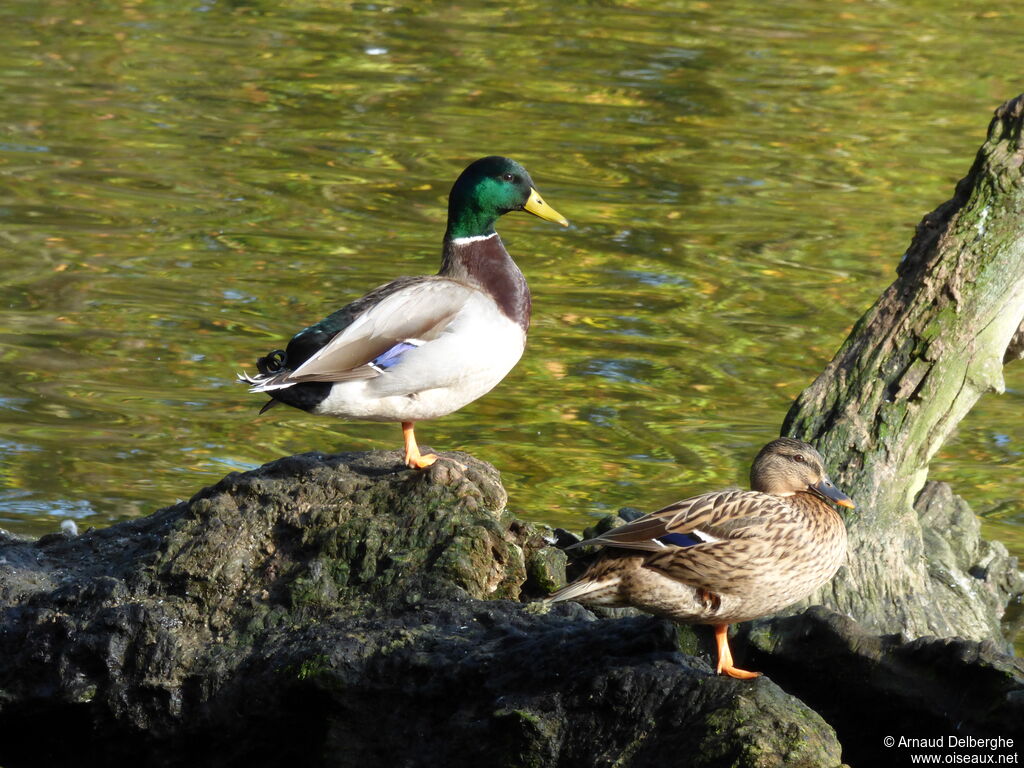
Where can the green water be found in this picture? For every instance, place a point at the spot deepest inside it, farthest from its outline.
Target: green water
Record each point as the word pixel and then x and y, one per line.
pixel 186 185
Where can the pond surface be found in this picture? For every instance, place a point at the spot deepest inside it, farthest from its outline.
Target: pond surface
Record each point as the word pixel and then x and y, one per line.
pixel 186 185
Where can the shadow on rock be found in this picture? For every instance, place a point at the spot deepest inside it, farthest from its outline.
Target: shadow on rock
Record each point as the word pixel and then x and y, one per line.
pixel 343 610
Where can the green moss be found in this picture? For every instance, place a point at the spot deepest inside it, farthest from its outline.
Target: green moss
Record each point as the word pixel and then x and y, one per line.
pixel 545 569
pixel 404 638
pixel 313 667
pixel 86 695
pixel 629 749
pixel 514 574
pixel 763 638
pixel 747 736
pixel 687 640
pixel 530 738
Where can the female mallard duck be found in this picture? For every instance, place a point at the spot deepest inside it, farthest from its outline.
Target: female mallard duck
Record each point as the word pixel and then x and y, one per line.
pixel 727 556
pixel 421 347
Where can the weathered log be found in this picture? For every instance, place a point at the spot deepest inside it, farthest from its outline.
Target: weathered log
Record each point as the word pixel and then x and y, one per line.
pixel 910 370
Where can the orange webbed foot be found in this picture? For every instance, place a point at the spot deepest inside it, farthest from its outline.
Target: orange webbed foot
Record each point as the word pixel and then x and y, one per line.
pixel 413 458
pixel 420 460
pixel 739 674
pixel 725 665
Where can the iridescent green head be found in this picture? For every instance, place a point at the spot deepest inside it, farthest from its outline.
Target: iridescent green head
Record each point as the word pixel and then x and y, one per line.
pixel 489 188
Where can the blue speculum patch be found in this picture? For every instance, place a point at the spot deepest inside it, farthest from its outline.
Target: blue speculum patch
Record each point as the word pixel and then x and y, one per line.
pixel 680 539
pixel 393 356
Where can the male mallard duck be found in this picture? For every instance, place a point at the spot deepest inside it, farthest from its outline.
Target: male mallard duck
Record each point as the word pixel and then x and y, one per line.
pixel 727 556
pixel 421 347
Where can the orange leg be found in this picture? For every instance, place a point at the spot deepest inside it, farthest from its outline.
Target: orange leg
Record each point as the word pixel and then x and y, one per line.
pixel 413 457
pixel 725 655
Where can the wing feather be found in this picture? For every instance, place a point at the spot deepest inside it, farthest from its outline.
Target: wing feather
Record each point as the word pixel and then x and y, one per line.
pixel 739 539
pixel 420 310
pixel 727 514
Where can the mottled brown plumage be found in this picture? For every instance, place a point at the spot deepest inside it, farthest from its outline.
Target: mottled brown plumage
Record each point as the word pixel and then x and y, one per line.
pixel 726 556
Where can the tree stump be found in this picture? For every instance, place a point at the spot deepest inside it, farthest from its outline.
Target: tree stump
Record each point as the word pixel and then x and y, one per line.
pixel 911 369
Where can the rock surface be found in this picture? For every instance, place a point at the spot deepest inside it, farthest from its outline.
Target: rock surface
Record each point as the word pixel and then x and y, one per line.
pixel 342 610
pixel 971 576
pixel 870 686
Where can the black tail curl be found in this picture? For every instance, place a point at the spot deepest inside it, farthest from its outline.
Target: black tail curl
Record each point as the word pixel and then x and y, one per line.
pixel 272 363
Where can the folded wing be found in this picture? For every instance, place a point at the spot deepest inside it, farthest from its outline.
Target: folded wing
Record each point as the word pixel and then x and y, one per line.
pixel 704 519
pixel 405 318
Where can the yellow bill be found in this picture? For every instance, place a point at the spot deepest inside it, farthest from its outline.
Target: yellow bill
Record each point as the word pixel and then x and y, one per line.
pixel 538 207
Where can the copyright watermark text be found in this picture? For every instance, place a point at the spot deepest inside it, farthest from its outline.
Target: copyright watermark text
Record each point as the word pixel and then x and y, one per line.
pixel 954 750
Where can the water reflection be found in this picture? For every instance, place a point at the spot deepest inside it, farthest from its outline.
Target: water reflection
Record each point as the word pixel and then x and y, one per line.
pixel 184 185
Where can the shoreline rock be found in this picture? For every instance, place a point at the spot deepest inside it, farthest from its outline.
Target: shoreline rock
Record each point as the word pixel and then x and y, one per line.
pixel 342 610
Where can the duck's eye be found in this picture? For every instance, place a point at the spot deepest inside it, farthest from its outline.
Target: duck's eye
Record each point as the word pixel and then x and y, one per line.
pixel 798 457
pixel 508 177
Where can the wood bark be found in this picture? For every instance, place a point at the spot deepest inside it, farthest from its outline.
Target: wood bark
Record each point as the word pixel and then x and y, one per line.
pixel 913 366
